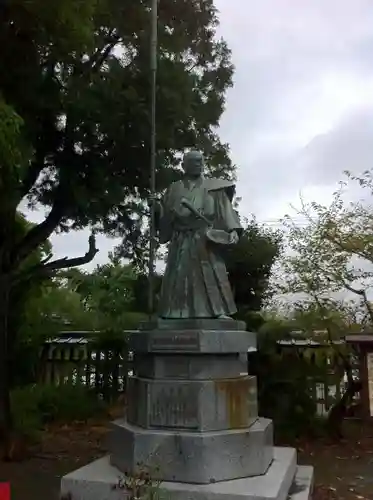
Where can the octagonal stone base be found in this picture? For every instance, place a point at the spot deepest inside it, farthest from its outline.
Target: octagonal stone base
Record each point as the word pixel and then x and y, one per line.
pixel 200 405
pixel 189 366
pixel 193 457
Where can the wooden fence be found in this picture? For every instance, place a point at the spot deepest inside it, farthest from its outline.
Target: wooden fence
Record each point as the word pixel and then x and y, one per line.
pixel 72 357
pixel 327 385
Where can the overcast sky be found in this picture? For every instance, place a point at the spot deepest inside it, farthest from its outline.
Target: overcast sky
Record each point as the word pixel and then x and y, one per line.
pixel 301 110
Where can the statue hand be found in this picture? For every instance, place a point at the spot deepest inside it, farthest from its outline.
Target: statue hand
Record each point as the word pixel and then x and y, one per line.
pixel 234 237
pixel 153 202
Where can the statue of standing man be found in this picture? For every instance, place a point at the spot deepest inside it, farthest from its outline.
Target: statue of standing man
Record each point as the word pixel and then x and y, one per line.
pixel 196 218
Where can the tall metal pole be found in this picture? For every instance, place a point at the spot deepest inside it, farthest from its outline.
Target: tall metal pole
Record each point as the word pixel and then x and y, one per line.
pixel 153 151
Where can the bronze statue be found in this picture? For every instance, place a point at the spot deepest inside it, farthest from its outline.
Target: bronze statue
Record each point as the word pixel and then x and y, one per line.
pixel 197 219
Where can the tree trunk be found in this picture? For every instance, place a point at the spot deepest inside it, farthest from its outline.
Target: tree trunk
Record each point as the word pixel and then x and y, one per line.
pixel 5 408
pixel 339 411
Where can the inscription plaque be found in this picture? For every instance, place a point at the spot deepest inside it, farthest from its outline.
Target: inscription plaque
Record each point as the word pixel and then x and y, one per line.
pixel 174 407
pixel 175 342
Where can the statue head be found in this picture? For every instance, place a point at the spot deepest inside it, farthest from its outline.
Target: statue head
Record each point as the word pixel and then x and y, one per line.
pixel 193 163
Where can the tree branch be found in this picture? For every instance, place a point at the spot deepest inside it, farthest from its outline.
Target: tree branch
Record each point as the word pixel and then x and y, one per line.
pixel 341 246
pixel 46 269
pixel 360 292
pixel 65 262
pixel 95 62
pixel 104 54
pixel 38 234
pixel 31 177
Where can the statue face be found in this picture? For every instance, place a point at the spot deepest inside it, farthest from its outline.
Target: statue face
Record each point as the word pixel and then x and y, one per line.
pixel 193 164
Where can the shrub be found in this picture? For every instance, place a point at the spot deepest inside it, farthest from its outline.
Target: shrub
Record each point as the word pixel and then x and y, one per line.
pixel 26 416
pixel 68 402
pixel 284 382
pixel 37 405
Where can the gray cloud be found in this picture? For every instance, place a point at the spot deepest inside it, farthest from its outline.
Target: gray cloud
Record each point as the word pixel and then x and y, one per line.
pixel 301 68
pixel 349 146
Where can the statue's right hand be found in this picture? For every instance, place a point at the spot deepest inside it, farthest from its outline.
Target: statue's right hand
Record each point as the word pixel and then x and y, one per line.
pixel 153 202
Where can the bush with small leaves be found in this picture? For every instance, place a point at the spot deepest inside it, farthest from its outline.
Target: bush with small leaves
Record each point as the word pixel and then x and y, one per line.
pixel 139 485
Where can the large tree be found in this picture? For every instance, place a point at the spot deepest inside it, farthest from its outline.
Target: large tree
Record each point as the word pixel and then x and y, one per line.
pixel 109 293
pixel 328 256
pixel 74 122
pixel 23 297
pixel 250 264
pixel 332 252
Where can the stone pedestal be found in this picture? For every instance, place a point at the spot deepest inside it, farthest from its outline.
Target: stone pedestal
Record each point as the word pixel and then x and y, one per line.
pixel 193 419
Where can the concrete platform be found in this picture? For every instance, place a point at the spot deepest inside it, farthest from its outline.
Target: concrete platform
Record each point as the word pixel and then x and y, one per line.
pixel 97 480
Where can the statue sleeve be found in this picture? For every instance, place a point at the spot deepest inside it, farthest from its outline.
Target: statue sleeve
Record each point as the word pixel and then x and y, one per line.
pixel 165 218
pixel 226 217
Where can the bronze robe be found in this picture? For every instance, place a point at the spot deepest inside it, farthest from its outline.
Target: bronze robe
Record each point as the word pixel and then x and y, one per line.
pixel 195 283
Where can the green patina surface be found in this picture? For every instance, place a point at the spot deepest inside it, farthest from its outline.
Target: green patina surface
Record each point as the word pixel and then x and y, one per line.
pixel 196 218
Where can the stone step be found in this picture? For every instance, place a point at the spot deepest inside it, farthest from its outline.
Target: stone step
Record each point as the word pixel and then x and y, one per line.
pixel 302 487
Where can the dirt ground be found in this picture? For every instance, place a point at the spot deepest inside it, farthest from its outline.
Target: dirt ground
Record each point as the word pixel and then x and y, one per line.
pixel 344 471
